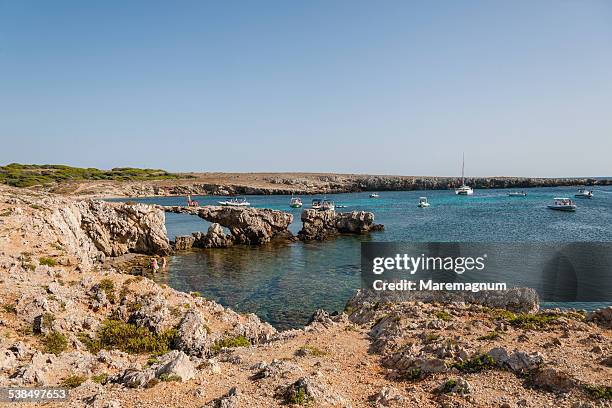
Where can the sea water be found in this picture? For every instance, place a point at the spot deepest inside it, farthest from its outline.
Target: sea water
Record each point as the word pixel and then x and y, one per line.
pixel 284 283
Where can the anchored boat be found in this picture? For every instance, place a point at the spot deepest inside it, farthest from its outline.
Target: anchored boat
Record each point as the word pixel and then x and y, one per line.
pixel 563 204
pixel 235 202
pixel 374 195
pixel 517 194
pixel 423 203
pixel 316 204
pixel 328 205
pixel 463 189
pixel 584 193
pixel 296 202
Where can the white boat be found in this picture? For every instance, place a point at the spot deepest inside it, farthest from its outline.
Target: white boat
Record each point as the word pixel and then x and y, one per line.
pixel 517 194
pixel 584 193
pixel 340 206
pixel 328 205
pixel 296 202
pixel 235 202
pixel 423 203
pixel 463 189
pixel 563 204
pixel 374 195
pixel 316 204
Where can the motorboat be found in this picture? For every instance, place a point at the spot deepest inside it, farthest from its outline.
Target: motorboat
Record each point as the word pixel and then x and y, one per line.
pixel 340 206
pixel 584 193
pixel 316 204
pixel 235 202
pixel 463 189
pixel 328 205
pixel 192 203
pixel 563 204
pixel 423 203
pixel 374 195
pixel 296 202
pixel 517 194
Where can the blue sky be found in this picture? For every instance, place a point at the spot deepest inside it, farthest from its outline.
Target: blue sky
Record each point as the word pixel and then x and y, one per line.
pixel 389 87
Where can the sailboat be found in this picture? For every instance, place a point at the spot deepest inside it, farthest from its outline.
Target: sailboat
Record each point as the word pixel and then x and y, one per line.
pixel 463 189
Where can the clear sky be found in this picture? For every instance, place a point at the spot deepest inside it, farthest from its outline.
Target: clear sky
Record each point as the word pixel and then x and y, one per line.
pixel 386 87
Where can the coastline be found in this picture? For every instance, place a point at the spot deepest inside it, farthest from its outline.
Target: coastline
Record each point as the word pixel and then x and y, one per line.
pixel 224 184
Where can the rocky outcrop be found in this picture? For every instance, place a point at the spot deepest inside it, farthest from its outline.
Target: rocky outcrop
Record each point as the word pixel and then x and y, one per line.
pixel 215 237
pixel 118 228
pixel 183 242
pixel 318 225
pixel 250 226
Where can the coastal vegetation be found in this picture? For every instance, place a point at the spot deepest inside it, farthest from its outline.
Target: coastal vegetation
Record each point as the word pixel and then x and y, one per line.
pixel 128 337
pixel 28 175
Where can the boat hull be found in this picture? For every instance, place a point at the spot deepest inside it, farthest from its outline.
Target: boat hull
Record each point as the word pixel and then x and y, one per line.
pixel 567 208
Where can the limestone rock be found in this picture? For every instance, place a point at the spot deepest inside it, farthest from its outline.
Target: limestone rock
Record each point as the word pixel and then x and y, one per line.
pixel 183 242
pixel 602 317
pixel 192 334
pixel 318 225
pixel 176 363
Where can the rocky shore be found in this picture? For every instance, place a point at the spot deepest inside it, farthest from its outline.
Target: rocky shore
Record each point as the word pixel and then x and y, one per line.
pixel 118 340
pixel 299 183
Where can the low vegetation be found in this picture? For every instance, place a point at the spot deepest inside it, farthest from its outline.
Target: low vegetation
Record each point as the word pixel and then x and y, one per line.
pixel 311 350
pixel 492 335
pixel 100 378
pixel 127 337
pixel 443 315
pixel 73 381
pixel 230 342
pixel 54 343
pixel 298 396
pixel 47 261
pixel 108 287
pixel 27 175
pixel 476 364
pixel 599 392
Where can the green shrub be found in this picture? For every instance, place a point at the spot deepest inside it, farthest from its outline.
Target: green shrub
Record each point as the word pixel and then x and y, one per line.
pixel 312 350
pixel 108 287
pixel 599 391
pixel 448 386
pixel 476 364
pixel 100 378
pixel 117 334
pixel 55 342
pixel 532 321
pixel 443 315
pixel 170 377
pixel 73 381
pixel 9 308
pixel 298 396
pixel 492 335
pixel 413 374
pixel 196 294
pixel 47 261
pixel 230 342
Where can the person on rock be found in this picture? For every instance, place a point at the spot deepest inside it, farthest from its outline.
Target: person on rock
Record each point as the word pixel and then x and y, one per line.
pixel 154 265
pixel 164 262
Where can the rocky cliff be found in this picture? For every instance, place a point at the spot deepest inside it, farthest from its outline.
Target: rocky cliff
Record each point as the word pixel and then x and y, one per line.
pixel 318 225
pixel 88 230
pixel 251 226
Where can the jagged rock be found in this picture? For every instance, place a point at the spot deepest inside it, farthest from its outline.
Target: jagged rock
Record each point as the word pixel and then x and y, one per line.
pixel 309 390
pixel 214 238
pixel 118 228
pixel 387 396
pixel 363 303
pixel 254 329
pixel 318 225
pixel 183 242
pixel 20 349
pixel 276 369
pixel 176 363
pixel 36 371
pixel 460 386
pixel 553 380
pixel 518 361
pixel 602 317
pixel 229 400
pixel 192 334
pixel 153 313
pixel 8 360
pixel 251 226
pixel 133 378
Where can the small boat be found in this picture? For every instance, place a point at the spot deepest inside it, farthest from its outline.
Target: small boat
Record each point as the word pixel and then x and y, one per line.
pixel 316 204
pixel 583 193
pixel 423 203
pixel 517 194
pixel 328 205
pixel 463 189
pixel 192 203
pixel 296 202
pixel 563 204
pixel 340 206
pixel 374 195
pixel 235 202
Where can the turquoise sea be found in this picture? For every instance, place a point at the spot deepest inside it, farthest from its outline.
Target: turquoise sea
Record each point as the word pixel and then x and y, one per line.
pixel 285 283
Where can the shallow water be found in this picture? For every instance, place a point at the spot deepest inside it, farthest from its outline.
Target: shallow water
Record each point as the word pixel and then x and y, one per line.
pixel 285 283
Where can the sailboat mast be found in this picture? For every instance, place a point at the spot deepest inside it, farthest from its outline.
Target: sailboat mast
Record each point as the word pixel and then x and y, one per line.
pixel 462 170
